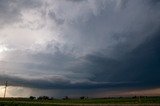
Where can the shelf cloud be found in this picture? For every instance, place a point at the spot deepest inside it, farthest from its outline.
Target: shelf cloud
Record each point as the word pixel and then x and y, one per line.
pixel 80 44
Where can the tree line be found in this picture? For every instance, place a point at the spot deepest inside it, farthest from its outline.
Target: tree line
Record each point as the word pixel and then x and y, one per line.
pixel 52 98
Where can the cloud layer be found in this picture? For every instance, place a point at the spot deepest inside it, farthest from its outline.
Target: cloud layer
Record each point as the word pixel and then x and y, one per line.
pixel 80 44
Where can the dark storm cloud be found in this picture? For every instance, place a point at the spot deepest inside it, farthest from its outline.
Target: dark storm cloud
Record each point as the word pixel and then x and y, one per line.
pixel 112 28
pixel 142 64
pixel 138 69
pixel 90 45
pixel 145 61
pixel 61 83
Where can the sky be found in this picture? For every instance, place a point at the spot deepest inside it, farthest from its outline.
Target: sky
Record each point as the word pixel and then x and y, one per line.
pixel 94 48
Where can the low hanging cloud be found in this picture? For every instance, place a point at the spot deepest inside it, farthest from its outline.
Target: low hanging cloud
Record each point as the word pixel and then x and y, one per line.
pixel 80 44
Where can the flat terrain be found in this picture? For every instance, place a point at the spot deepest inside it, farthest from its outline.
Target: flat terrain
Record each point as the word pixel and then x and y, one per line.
pixel 137 101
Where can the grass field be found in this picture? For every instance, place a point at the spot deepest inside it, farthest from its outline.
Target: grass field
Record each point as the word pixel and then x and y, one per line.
pixel 143 101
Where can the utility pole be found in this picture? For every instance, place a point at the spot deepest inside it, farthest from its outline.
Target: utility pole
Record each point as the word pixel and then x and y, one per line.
pixel 6 84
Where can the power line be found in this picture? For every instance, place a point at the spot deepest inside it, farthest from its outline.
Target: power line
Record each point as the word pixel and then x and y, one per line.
pixel 6 84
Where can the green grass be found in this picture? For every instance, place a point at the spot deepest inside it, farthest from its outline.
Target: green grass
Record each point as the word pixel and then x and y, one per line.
pixel 60 102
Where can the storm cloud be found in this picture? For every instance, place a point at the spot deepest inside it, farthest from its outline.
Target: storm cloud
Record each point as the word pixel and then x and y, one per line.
pixel 80 44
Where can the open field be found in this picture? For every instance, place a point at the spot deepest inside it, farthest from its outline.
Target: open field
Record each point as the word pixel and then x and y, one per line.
pixel 143 101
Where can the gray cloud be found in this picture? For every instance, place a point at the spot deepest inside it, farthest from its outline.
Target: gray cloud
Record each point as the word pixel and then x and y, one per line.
pixel 58 21
pixel 86 44
pixel 10 10
pixel 141 64
pixel 57 82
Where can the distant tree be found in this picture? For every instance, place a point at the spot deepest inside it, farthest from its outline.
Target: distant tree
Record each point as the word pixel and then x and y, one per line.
pixel 32 97
pixel 134 97
pixel 39 98
pixel 43 98
pixel 82 97
pixel 66 98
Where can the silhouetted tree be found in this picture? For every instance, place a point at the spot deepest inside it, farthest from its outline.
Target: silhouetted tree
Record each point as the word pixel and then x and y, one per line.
pixel 32 97
pixel 43 98
pixel 66 98
pixel 82 97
